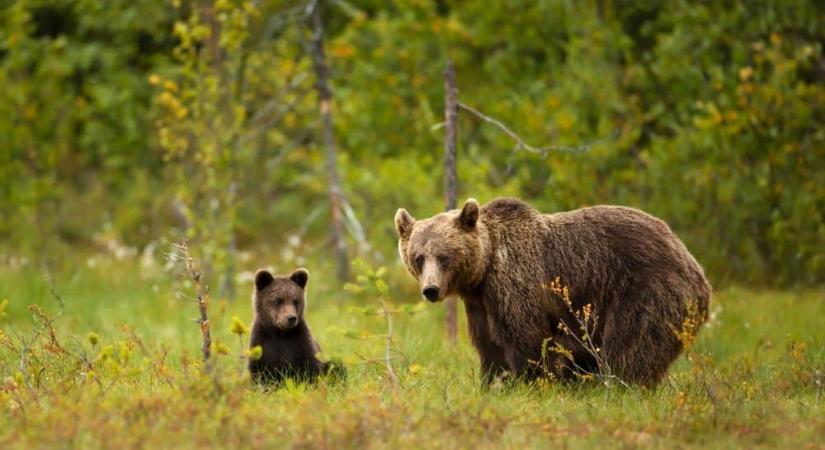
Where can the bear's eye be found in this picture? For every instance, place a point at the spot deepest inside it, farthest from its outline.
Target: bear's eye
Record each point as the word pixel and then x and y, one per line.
pixel 419 262
pixel 279 301
pixel 295 303
pixel 443 260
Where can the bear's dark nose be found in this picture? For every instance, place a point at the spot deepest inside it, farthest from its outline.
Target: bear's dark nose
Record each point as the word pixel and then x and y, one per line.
pixel 292 320
pixel 430 293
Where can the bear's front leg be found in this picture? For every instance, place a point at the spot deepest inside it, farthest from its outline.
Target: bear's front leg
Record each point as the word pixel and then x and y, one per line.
pixel 493 359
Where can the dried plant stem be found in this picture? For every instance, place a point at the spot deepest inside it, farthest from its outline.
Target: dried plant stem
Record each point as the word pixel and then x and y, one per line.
pixel 243 358
pixel 587 321
pixel 202 299
pixel 388 345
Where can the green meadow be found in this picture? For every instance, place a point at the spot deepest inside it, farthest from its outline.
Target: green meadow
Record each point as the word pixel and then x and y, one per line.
pixel 123 369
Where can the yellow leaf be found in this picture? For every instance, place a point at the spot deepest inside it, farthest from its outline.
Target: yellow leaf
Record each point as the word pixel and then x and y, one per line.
pixel 745 73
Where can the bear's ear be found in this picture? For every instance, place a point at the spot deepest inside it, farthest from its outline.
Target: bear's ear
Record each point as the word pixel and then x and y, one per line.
pixel 469 214
pixel 300 277
pixel 262 279
pixel 403 223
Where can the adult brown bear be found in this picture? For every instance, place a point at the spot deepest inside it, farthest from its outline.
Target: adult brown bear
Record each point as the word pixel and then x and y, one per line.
pixel 640 280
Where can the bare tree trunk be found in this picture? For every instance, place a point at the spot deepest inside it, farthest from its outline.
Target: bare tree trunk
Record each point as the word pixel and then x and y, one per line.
pixel 321 68
pixel 228 278
pixel 450 142
pixel 225 216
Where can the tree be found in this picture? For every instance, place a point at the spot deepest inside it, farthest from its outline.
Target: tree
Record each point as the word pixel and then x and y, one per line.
pixel 450 176
pixel 336 195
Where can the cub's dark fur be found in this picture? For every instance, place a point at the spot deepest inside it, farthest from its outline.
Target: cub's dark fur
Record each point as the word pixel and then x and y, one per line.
pixel 279 327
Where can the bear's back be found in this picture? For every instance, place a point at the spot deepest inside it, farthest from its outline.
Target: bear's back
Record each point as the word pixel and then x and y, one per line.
pixel 640 243
pixel 595 246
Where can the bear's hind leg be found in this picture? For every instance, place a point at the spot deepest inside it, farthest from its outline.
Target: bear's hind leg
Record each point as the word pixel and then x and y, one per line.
pixel 639 337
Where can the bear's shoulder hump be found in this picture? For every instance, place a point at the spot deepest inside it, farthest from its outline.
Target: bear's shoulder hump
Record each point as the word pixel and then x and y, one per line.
pixel 507 208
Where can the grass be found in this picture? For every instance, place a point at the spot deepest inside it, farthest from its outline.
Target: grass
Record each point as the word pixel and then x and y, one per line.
pixel 754 378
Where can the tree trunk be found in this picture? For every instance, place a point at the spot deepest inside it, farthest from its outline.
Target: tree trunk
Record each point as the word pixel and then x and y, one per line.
pixel 450 138
pixel 321 69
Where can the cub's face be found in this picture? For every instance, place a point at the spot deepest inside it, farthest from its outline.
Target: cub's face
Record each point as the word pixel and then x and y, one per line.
pixel 279 301
pixel 445 252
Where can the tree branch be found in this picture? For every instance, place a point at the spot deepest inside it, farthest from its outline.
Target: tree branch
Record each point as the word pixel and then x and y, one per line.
pixel 520 143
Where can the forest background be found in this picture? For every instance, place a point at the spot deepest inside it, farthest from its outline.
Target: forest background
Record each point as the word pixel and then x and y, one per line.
pixel 126 125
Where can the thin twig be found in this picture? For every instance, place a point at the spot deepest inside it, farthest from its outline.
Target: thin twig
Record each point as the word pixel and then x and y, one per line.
pixel 367 360
pixel 520 143
pixel 202 296
pixel 388 347
pixel 54 292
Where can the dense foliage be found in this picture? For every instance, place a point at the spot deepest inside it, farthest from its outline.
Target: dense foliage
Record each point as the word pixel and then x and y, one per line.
pixel 134 121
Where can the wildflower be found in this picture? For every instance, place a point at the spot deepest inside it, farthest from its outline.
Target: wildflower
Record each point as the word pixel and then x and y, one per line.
pixel 106 353
pixel 681 399
pixel 221 348
pixel 9 384
pixel 93 338
pixel 238 327
pixel 256 352
pixel 776 38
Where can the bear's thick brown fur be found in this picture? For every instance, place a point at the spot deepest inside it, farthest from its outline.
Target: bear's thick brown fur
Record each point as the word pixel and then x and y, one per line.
pixel 279 327
pixel 501 259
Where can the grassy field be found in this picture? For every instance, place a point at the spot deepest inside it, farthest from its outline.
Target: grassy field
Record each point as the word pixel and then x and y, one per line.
pixel 123 370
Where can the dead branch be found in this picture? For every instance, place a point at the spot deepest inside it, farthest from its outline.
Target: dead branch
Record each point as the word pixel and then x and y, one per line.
pixel 355 228
pixel 194 273
pixel 520 143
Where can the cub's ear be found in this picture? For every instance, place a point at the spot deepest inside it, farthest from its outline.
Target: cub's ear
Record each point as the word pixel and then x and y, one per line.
pixel 403 223
pixel 300 277
pixel 262 279
pixel 468 217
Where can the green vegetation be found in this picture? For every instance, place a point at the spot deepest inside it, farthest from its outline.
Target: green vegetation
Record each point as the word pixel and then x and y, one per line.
pixel 756 377
pixel 146 120
pixel 126 125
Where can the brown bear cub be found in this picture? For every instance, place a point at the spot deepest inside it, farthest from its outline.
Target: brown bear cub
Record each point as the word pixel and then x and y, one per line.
pixel 279 327
pixel 508 262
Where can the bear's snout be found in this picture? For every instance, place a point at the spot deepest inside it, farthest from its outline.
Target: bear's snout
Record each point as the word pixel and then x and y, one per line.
pixel 285 322
pixel 431 293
